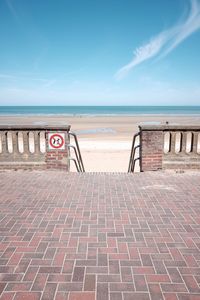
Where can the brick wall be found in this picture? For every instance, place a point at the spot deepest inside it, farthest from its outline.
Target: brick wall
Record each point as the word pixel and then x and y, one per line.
pixel 151 150
pixel 57 159
pixel 153 156
pixel 50 159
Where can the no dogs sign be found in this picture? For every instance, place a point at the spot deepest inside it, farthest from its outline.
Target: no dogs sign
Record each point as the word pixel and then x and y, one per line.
pixel 56 141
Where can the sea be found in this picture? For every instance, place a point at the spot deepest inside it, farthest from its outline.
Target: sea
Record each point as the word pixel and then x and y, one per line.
pixel 98 110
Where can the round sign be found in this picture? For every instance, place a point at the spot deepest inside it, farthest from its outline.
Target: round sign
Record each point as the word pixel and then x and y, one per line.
pixel 56 141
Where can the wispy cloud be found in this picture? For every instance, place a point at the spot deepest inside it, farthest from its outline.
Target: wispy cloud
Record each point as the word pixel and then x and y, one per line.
pixel 12 10
pixel 43 81
pixel 166 41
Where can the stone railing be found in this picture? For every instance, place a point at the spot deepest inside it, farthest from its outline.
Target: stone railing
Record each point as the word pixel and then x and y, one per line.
pixel 34 147
pixel 169 147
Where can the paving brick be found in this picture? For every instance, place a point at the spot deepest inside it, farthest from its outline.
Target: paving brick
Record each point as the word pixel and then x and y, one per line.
pixel 126 274
pixel 90 282
pixel 108 278
pixel 155 291
pixel 175 275
pixel 102 291
pixel 49 270
pixel 68 266
pixel 116 296
pixel 191 284
pixel 146 260
pixel 39 282
pixel 18 286
pixel 122 287
pixel 70 286
pixel 61 296
pixel 10 277
pixel 97 270
pixel 140 283
pixel 99 236
pixel 157 278
pixel 27 296
pixel 188 296
pixel 143 270
pixel 190 261
pixel 133 252
pixel 59 278
pixel 2 286
pixel 102 259
pixel 22 266
pixel 159 266
pixel 175 287
pixel 15 258
pixel 78 274
pixel 138 296
pixel 87 262
pixel 114 267
pixel 170 296
pixel 7 296
pixel 49 291
pixel 82 296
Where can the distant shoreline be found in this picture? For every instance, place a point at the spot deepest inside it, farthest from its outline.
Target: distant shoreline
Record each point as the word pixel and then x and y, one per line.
pixel 102 115
pixel 59 115
pixel 98 111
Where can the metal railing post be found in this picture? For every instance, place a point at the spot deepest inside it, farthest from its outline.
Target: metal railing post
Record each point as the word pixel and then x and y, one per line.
pixel 78 160
pixel 132 160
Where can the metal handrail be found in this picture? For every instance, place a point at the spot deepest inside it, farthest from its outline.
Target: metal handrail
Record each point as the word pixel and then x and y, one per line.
pixel 76 155
pixel 131 167
pixel 79 157
pixel 75 162
pixel 132 150
pixel 134 159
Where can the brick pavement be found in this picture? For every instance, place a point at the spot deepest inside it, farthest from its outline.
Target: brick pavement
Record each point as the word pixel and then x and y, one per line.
pixel 99 236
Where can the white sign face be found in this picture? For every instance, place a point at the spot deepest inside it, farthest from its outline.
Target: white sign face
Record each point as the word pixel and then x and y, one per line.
pixel 56 141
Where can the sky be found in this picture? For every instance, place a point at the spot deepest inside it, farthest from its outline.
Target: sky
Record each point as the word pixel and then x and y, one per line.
pixel 100 52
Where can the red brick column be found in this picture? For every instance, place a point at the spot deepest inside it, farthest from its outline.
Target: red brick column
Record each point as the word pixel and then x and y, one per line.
pixel 151 150
pixel 57 158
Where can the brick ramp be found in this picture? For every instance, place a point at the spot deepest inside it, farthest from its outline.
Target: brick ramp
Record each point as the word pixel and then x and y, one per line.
pixel 99 236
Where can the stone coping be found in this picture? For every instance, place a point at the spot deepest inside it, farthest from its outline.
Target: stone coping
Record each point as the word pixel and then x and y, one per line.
pixel 169 127
pixel 35 127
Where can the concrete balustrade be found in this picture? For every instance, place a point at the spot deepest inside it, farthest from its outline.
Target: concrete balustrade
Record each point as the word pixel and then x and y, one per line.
pixel 170 147
pixel 28 147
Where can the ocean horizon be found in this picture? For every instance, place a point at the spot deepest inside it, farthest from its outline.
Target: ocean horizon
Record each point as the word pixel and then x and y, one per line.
pixel 98 110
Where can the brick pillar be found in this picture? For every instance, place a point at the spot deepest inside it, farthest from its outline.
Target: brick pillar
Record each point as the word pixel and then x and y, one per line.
pixel 151 150
pixel 57 158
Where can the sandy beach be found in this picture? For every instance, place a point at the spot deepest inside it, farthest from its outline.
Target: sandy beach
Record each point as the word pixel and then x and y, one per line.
pixel 105 141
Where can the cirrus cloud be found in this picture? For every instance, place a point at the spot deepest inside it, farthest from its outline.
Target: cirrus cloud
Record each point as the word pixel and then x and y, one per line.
pixel 166 41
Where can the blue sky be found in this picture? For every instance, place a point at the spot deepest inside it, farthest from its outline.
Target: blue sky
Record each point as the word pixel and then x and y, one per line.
pixel 99 52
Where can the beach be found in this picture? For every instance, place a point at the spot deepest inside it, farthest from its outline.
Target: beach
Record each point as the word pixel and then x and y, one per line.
pixel 105 141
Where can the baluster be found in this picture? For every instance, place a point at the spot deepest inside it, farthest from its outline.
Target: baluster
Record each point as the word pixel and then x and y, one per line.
pixel 37 142
pixel 184 141
pixel 42 142
pixel 26 142
pixel 20 142
pixel 194 142
pixel 172 142
pixel 4 141
pixel 166 142
pixel 198 143
pixel 15 142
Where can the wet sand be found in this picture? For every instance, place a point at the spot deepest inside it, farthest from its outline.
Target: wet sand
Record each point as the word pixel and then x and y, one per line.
pixel 105 141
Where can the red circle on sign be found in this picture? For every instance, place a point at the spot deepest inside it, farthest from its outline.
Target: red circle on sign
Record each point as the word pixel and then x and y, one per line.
pixel 54 136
